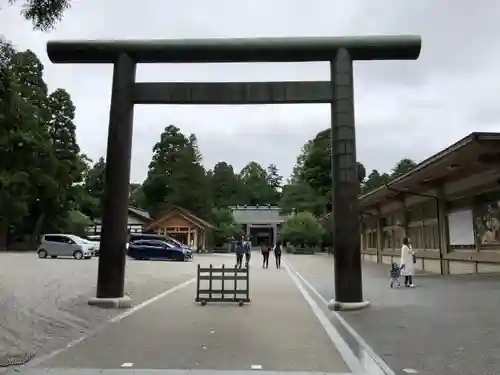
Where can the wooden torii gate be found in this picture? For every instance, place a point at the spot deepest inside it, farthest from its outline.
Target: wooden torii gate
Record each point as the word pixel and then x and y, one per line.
pixel 125 55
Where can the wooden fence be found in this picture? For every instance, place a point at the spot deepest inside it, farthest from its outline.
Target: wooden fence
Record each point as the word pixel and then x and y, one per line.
pixel 220 291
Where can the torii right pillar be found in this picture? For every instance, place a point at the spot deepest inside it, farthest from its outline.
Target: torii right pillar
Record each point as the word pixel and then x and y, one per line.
pixel 345 188
pixel 345 185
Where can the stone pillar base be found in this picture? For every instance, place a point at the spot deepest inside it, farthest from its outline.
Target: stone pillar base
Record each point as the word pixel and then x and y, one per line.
pixel 347 306
pixel 124 302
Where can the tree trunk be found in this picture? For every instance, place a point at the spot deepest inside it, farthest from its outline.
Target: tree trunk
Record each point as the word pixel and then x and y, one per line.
pixel 37 229
pixel 4 229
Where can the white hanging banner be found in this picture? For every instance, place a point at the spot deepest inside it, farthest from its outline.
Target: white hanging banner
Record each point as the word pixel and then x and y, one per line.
pixel 461 228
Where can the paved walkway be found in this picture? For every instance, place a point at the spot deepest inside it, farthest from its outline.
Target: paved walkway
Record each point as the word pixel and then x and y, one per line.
pixel 278 331
pixel 447 325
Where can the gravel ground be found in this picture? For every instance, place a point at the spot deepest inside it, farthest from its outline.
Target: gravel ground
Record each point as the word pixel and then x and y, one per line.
pixel 447 325
pixel 43 302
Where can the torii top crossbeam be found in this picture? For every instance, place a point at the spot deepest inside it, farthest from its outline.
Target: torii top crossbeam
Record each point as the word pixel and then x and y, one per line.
pixel 216 50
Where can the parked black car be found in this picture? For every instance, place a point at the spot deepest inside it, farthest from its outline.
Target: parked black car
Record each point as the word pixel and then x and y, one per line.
pixel 157 249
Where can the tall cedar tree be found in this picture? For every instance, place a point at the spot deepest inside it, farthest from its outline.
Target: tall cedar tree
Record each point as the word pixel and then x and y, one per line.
pixel 176 176
pixel 25 147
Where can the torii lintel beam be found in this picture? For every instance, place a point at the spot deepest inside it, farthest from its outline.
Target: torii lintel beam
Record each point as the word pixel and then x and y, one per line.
pixel 216 50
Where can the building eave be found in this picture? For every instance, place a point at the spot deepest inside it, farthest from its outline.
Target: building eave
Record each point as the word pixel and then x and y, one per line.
pixel 411 176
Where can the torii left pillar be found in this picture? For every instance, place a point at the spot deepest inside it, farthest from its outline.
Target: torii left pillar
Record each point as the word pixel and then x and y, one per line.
pixel 114 236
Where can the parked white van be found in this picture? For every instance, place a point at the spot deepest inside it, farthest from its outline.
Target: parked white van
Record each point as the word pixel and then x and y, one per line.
pixel 65 245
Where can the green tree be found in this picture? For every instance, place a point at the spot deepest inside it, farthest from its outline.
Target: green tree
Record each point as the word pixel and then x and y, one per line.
pixel 6 53
pixel 133 186
pixel 302 229
pixel 316 168
pixel 299 164
pixel 274 179
pixel 25 147
pixel 225 227
pixel 175 175
pixel 403 166
pixel 256 188
pixel 93 190
pixel 193 143
pixel 361 172
pixel 137 197
pixel 159 185
pixel 43 14
pixel 77 223
pixel 275 182
pixel 327 238
pixel 225 186
pixel 79 189
pixel 299 197
pixel 192 184
pixel 374 181
pixel 60 198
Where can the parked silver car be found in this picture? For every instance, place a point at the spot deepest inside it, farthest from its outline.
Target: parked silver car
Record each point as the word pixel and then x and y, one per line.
pixel 95 240
pixel 65 245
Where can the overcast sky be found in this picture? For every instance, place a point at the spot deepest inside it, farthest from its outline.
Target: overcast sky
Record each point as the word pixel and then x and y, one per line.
pixel 403 108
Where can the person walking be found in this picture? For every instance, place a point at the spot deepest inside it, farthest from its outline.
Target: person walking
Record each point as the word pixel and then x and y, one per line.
pixel 232 245
pixel 277 254
pixel 247 244
pixel 407 263
pixel 265 249
pixel 239 250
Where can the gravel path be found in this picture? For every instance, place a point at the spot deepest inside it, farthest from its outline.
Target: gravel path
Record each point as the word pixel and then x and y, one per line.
pixel 43 302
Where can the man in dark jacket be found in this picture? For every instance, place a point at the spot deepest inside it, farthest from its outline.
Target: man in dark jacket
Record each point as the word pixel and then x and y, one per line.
pixel 239 250
pixel 247 245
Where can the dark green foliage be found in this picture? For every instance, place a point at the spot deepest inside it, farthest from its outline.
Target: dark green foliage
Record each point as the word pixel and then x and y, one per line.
pixel 302 229
pixel 225 186
pixel 310 186
pixel 43 14
pixel 176 176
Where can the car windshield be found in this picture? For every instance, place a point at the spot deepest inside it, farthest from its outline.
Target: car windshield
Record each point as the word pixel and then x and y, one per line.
pixel 79 240
pixel 175 243
pixel 170 242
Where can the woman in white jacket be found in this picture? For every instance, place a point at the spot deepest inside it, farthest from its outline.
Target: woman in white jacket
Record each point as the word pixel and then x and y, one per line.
pixel 408 270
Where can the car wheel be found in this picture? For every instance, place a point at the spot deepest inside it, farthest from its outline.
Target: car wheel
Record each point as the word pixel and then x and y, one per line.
pixel 42 254
pixel 78 254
